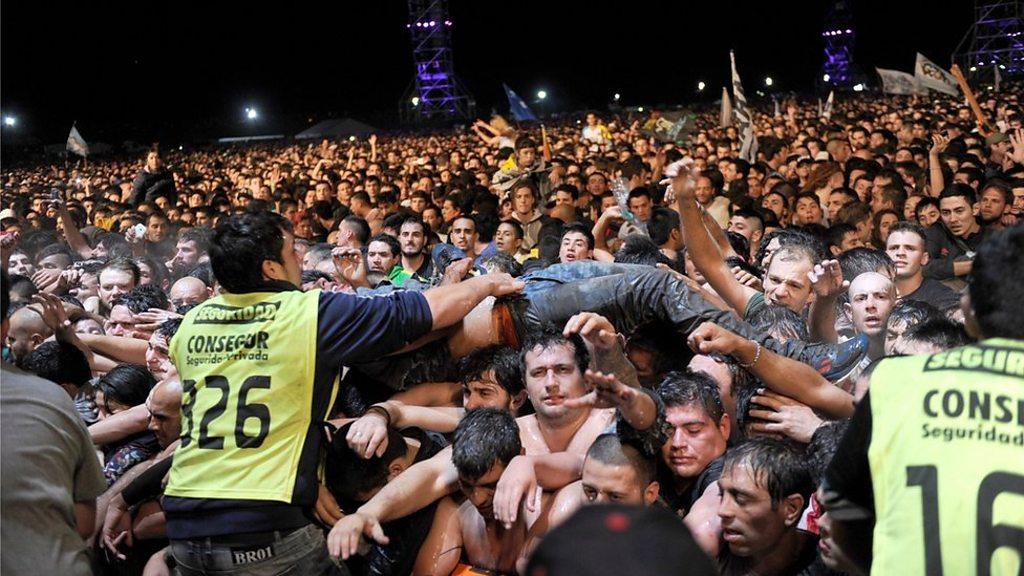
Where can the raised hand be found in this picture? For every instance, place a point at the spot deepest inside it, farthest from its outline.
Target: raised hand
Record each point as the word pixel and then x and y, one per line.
pixel 368 436
pixel 607 392
pixel 783 415
pixel 343 541
pixel 827 279
pixel 348 263
pixel 594 328
pixel 711 338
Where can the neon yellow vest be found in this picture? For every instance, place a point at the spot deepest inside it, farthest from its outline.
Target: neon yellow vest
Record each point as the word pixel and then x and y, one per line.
pixel 247 365
pixel 947 461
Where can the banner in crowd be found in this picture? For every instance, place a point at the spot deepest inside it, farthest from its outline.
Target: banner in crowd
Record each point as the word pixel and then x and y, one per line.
pixel 929 75
pixel 896 82
pixel 744 119
pixel 518 108
pixel 725 116
pixel 673 126
pixel 826 113
pixel 76 143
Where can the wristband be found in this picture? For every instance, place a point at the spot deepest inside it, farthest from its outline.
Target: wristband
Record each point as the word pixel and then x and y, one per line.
pixel 376 408
pixel 757 356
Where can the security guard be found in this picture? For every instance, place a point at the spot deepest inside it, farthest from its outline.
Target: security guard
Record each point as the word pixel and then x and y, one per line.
pixel 259 367
pixel 934 457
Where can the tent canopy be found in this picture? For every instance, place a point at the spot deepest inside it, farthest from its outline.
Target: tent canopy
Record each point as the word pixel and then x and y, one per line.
pixel 341 128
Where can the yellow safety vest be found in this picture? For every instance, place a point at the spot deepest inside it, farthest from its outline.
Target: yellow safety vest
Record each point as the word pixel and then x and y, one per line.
pixel 947 461
pixel 247 364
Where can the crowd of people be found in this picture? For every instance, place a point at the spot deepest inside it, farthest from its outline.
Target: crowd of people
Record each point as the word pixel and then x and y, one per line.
pixel 576 350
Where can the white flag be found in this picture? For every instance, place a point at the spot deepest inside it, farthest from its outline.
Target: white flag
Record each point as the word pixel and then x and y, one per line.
pixel 931 76
pixel 827 112
pixel 999 79
pixel 896 82
pixel 744 119
pixel 76 143
pixel 778 111
pixel 725 116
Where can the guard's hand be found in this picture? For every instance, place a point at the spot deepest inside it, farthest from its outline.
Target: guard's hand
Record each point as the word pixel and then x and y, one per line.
pixel 518 481
pixel 343 540
pixel 348 263
pixel 503 284
pixel 327 510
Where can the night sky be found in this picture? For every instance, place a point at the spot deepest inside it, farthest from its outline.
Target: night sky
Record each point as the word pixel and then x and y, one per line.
pixel 184 70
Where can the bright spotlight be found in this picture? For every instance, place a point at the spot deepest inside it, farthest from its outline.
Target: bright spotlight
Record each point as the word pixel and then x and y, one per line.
pixel 701 86
pixel 858 88
pixel 826 78
pixel 541 94
pixel 617 96
pixel 640 109
pixel 768 81
pixel 10 121
pixel 415 101
pixel 251 113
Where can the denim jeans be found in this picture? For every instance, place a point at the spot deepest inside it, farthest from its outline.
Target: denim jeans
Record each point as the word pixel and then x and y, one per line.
pixel 301 552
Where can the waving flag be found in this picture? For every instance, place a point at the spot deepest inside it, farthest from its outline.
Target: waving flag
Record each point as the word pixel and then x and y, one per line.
pixel 896 82
pixel 930 76
pixel 76 143
pixel 518 108
pixel 827 112
pixel 744 120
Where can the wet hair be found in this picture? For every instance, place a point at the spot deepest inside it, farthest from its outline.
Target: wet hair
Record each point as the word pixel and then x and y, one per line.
pixel 548 337
pixel 911 313
pixel 689 388
pixel 127 384
pixel 823 445
pixel 860 260
pixel 485 437
pixel 997 284
pixel 939 332
pixel 779 468
pixel 240 245
pixel 142 298
pixel 59 362
pixel 349 476
pixel 780 323
pixel 502 360
pixel 609 448
pixel 796 242
pixel 639 249
pixel 168 328
pixel 663 221
pixel 502 262
pixel 123 265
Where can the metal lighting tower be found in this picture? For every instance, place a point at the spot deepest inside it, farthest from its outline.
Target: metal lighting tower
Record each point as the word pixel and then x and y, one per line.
pixel 995 40
pixel 435 93
pixel 838 70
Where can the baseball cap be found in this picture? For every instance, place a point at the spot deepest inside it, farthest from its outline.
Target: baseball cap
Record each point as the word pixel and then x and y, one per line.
pixel 996 138
pixel 7 214
pixel 603 539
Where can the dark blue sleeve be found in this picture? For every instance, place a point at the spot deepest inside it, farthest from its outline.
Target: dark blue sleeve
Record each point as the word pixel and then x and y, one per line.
pixel 355 328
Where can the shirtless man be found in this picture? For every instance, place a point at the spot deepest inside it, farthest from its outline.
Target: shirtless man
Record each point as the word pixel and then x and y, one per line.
pixel 485 443
pixel 573 406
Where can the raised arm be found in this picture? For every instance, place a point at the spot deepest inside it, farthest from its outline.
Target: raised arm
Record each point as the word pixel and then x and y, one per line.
pixel 118 348
pixel 935 179
pixel 704 251
pixel 828 283
pixel 783 375
pixel 450 304
pixel 71 232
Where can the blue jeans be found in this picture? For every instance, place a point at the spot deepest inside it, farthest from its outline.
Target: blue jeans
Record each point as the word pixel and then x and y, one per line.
pixel 303 551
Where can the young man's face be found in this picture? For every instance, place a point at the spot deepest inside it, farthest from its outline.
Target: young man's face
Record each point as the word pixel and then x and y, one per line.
pixel 614 484
pixel 746 227
pixel 640 207
pixel 694 442
pixel 157 359
pixel 480 491
pixel 156 228
pixel 928 216
pixel 751 526
pixel 412 240
pixel 808 211
pixel 575 246
pixel 786 283
pixel 463 234
pixel 21 264
pixel 114 283
pixel 564 198
pixel 552 377
pixel 705 190
pixel 836 201
pixel 379 257
pixel 506 240
pixel 486 393
pixel 871 301
pixel 523 201
pixel 776 204
pixel 958 215
pixel 906 249
pixel 991 205
pixel 122 323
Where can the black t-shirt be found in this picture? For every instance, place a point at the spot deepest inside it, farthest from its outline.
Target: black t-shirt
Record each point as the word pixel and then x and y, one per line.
pixel 806 564
pixel 935 293
pixel 681 502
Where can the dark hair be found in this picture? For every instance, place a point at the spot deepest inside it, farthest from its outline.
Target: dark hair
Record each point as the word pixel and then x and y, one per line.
pixel 388 239
pixel 168 328
pixel 142 298
pixel 860 260
pixel 502 360
pixel 997 284
pixel 359 226
pixel 579 228
pixel 639 249
pixel 939 332
pixel 485 224
pixel 609 448
pixel 823 445
pixel 517 228
pixel 638 192
pixel 200 236
pixel 911 227
pixel 59 362
pixel 663 221
pixel 837 232
pixel 1002 186
pixel 778 467
pixel 127 384
pixel 349 476
pixel 412 219
pixel 853 212
pixel 485 437
pixel 502 262
pixel 780 323
pixel 751 213
pixel 549 337
pixel 689 388
pixel 157 270
pixel 242 243
pixel 924 203
pixel 123 265
pixel 957 190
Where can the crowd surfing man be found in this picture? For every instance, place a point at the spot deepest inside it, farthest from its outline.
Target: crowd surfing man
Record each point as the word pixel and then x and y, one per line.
pixel 269 288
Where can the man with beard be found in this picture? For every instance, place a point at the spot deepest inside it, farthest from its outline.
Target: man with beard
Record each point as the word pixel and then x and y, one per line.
pixel 993 201
pixel 412 237
pixel 189 251
pixel 382 257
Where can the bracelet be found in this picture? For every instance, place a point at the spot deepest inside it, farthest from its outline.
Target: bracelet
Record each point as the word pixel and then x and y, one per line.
pixel 382 411
pixel 757 356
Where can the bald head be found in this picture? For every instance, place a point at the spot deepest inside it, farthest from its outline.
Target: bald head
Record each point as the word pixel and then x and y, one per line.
pixel 164 405
pixel 871 281
pixel 27 330
pixel 872 297
pixel 188 291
